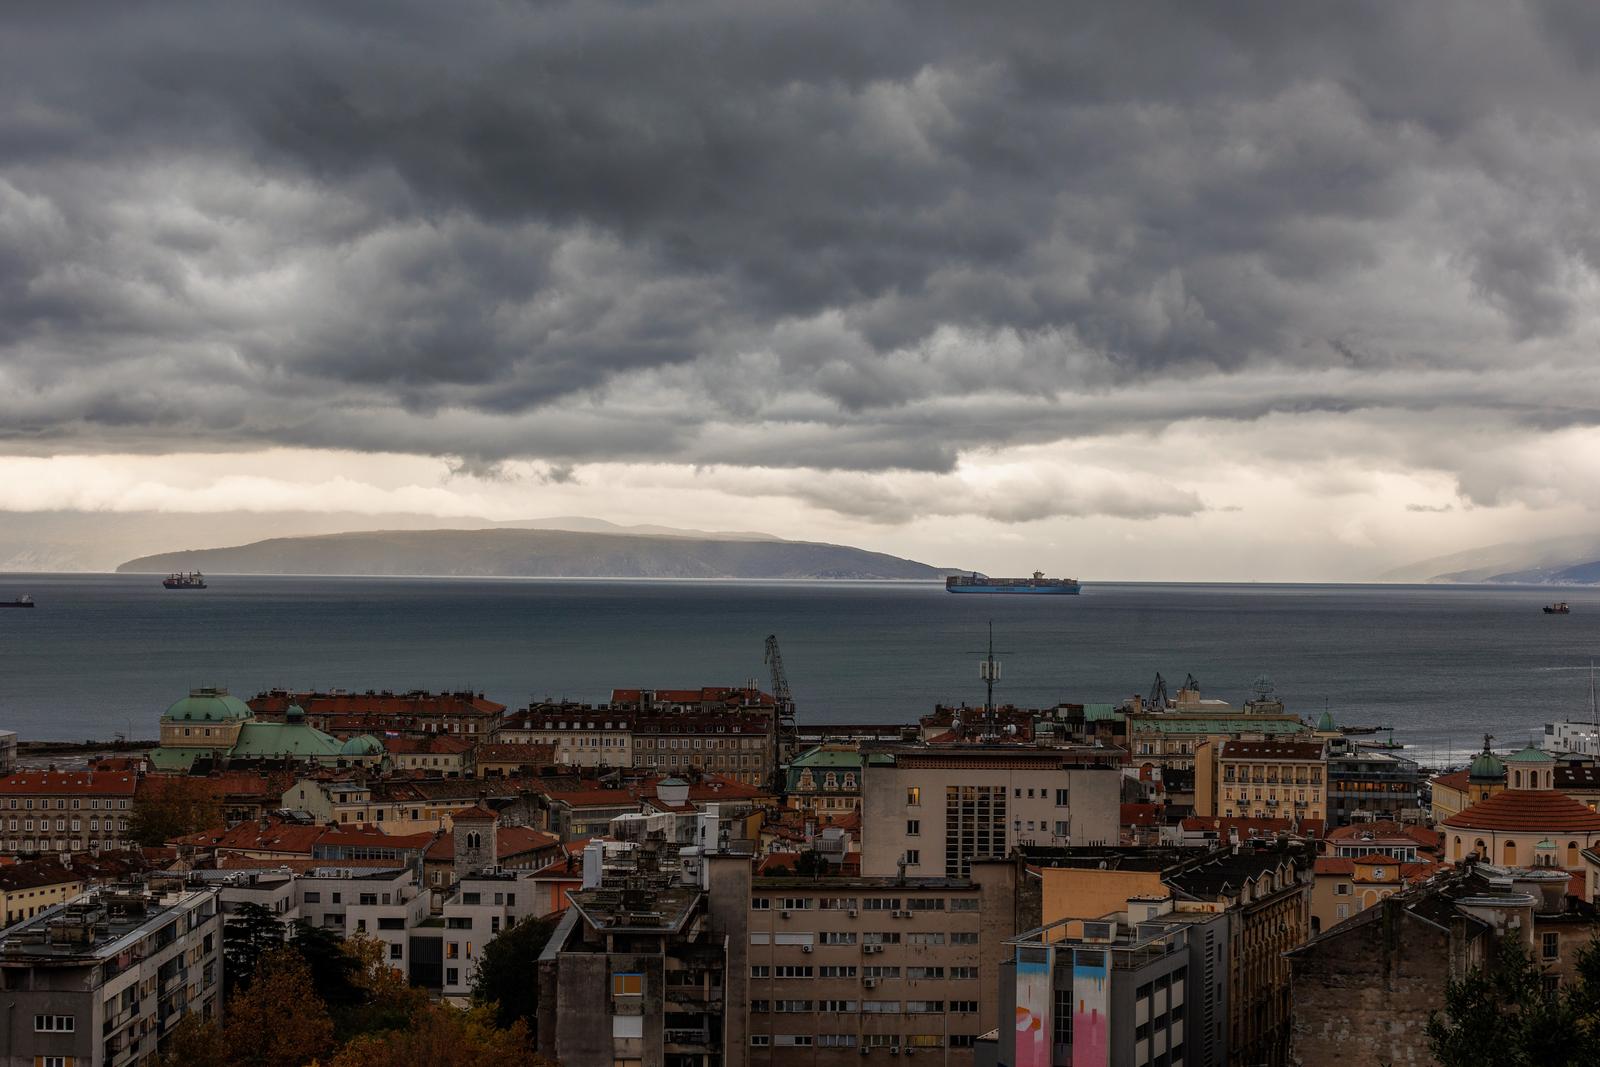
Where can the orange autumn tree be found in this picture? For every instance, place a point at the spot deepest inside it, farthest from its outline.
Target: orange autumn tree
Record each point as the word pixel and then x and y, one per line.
pixel 442 1036
pixel 278 1021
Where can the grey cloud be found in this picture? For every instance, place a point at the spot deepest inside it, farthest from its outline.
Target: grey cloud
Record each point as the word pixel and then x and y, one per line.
pixel 856 236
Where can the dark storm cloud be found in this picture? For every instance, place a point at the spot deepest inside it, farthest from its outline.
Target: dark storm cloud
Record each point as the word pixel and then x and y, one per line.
pixel 856 235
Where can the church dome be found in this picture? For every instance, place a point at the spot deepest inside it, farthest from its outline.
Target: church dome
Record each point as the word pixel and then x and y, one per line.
pixel 208 704
pixel 362 745
pixel 1486 767
pixel 1325 724
pixel 294 713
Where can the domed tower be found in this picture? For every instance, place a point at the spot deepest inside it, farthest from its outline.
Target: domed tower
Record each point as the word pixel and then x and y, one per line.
pixel 208 718
pixel 1486 775
pixel 363 748
pixel 1530 768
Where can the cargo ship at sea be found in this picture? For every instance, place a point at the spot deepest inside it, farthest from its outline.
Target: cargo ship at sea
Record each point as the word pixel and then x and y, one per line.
pixel 977 583
pixel 185 580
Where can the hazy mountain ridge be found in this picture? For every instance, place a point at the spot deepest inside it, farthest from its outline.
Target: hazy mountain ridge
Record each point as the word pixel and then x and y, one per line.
pixel 537 554
pixel 1559 561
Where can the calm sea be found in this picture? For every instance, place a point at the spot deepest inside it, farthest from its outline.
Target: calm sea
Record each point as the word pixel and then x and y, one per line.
pixel 103 654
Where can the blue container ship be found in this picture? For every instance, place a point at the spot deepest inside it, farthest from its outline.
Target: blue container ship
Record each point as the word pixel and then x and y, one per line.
pixel 975 583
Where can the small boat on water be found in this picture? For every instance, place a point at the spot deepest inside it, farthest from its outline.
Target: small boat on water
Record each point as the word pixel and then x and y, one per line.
pixel 1558 608
pixel 23 601
pixel 185 580
pixel 1360 730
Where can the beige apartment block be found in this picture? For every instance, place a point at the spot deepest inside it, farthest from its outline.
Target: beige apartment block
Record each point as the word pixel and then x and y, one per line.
pixel 937 809
pixel 841 968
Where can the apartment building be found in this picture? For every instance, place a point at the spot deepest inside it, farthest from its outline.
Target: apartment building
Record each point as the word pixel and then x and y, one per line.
pixel 8 751
pixel 65 811
pixel 736 744
pixel 936 809
pixel 646 966
pixel 581 735
pixel 1364 784
pixel 824 782
pixel 840 968
pixel 1142 986
pixel 102 980
pixel 437 755
pixel 1262 779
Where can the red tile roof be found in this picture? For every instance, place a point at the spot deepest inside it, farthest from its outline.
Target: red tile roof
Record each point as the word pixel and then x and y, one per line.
pixel 594 798
pixel 278 836
pixel 510 842
pixel 1386 830
pixel 1139 814
pixel 1528 811
pixel 1458 780
pixel 477 813
pixel 68 783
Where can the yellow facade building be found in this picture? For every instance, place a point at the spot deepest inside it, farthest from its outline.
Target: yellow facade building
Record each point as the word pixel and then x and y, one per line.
pixel 1272 779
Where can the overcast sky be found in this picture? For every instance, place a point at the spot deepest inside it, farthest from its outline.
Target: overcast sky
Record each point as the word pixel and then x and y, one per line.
pixel 1115 290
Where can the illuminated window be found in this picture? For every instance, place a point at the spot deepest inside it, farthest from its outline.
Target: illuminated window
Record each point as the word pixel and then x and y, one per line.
pixel 627 984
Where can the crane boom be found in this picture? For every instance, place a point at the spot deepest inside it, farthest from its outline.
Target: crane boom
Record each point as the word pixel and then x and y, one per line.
pixel 783 729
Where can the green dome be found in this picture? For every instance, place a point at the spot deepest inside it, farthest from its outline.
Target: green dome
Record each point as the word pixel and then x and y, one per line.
pixel 208 705
pixel 1486 767
pixel 1530 755
pixel 362 745
pixel 1325 724
pixel 294 713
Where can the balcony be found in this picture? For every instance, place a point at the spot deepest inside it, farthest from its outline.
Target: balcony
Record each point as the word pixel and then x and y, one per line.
pixel 696 1038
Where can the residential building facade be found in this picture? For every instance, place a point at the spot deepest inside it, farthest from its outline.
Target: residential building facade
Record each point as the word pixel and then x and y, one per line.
pixel 102 980
pixel 936 810
pixel 65 811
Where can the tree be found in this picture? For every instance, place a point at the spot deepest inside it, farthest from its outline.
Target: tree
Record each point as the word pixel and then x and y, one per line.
pixel 1502 1014
pixel 507 980
pixel 388 1001
pixel 810 864
pixel 168 806
pixel 194 1042
pixel 279 1021
pixel 442 1036
pixel 250 933
pixel 333 970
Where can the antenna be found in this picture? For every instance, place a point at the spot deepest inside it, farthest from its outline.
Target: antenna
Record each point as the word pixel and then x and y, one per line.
pixel 989 671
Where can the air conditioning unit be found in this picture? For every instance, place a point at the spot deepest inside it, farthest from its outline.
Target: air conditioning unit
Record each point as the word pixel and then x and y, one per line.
pixel 854 912
pixel 783 915
pixel 865 1050
pixel 870 983
pixel 894 1050
pixel 805 948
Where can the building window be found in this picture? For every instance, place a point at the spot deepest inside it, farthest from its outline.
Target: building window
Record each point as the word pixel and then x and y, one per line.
pixel 913 827
pixel 627 984
pixel 913 857
pixel 54 1024
pixel 1551 945
pixel 913 795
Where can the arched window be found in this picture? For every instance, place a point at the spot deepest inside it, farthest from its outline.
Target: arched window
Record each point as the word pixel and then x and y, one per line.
pixel 1572 853
pixel 1517 775
pixel 1510 854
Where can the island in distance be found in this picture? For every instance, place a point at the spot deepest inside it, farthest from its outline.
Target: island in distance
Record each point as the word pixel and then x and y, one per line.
pixel 521 553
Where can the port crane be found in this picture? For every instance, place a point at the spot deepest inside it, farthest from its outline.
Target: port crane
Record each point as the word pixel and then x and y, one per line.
pixel 783 728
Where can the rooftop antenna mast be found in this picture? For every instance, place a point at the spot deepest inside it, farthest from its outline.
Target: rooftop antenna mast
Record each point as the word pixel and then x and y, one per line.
pixel 989 671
